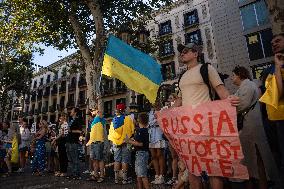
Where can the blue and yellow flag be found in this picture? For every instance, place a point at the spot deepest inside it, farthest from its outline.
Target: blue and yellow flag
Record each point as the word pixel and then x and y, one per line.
pixel 139 71
pixel 274 104
pixel 97 130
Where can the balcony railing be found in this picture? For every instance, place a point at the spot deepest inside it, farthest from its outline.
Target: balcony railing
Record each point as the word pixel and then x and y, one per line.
pixel 82 83
pixel 61 105
pixel 36 112
pixel 62 89
pixel 54 91
pixel 46 94
pixel 121 89
pixel 72 87
pixel 81 102
pixel 44 110
pixel 52 109
pixel 70 103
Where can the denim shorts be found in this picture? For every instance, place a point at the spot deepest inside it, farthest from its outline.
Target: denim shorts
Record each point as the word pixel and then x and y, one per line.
pixel 96 152
pixel 141 163
pixel 122 154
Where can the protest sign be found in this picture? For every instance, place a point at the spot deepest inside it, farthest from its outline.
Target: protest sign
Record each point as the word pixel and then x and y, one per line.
pixel 206 138
pixel 33 128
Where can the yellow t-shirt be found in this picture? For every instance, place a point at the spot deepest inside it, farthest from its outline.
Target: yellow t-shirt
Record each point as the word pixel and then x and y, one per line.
pixel 193 89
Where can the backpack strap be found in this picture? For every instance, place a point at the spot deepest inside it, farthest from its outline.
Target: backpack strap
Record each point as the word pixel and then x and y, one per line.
pixel 179 78
pixel 205 77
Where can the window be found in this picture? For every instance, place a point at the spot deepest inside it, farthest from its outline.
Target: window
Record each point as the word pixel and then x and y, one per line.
pixel 166 48
pixel 193 37
pixel 108 108
pixel 168 71
pixel 255 14
pixel 143 103
pixel 82 97
pixel 71 99
pixel 165 28
pixel 258 44
pixel 35 84
pixel 191 18
pixel 48 79
pixel 41 81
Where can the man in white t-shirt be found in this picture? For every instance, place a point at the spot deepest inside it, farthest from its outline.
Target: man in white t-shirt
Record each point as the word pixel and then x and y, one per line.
pixel 194 91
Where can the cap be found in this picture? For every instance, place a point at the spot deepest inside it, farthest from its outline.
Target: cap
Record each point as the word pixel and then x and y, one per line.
pixel 120 106
pixel 193 46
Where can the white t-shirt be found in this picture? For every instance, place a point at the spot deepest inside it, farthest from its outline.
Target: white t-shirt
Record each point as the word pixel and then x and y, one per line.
pixel 25 137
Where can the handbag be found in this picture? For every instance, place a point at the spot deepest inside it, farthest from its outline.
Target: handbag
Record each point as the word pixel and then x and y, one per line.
pixel 241 116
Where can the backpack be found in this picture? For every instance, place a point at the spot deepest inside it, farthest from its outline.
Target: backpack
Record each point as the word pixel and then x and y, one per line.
pixel 205 77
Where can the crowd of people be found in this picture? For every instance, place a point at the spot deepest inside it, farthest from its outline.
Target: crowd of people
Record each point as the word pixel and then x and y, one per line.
pixel 137 144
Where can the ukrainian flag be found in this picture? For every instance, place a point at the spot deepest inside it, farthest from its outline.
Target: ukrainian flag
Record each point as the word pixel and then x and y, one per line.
pixel 139 71
pixel 274 105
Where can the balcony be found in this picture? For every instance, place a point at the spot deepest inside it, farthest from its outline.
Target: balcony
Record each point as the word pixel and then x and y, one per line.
pixel 46 94
pixel 27 100
pixel 72 87
pixel 81 102
pixel 108 91
pixel 61 105
pixel 36 112
pixel 31 112
pixel 82 83
pixel 70 104
pixel 191 19
pixel 62 89
pixel 121 89
pixel 54 92
pixel 44 110
pixel 52 109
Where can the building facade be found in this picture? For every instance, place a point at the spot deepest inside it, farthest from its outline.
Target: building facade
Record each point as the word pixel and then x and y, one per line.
pixel 55 90
pixel 242 35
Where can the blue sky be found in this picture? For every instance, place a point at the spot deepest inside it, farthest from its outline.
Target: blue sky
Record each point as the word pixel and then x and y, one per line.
pixel 51 55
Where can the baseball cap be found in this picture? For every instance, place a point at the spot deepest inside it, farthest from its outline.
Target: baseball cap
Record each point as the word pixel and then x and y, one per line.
pixel 193 46
pixel 120 107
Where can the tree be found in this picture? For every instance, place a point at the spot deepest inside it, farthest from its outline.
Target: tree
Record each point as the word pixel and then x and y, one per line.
pixel 276 11
pixel 16 77
pixel 74 23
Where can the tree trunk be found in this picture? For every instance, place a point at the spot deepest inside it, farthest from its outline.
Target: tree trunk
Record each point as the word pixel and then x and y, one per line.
pixel 94 75
pixel 276 11
pixel 86 54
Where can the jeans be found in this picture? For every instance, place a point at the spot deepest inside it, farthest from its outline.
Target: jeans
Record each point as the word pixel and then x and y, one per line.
pixel 141 162
pixel 73 157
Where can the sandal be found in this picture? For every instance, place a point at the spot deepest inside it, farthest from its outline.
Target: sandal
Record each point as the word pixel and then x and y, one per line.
pixel 100 180
pixel 92 178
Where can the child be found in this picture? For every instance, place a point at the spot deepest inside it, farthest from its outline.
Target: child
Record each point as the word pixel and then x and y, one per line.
pixel 141 144
pixel 182 176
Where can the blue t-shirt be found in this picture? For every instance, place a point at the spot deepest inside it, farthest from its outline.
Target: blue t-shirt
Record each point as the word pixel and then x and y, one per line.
pixel 142 136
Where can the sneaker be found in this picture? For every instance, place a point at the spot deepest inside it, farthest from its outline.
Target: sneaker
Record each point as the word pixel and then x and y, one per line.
pixel 92 173
pixel 159 180
pixel 171 181
pixel 86 172
pixel 20 170
pixel 116 181
pixel 101 179
pixel 126 182
pixel 156 179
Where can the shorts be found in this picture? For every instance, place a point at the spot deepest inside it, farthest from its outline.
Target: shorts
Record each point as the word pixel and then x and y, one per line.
pixel 97 150
pixel 122 154
pixel 141 162
pixel 23 149
pixel 88 150
pixel 159 144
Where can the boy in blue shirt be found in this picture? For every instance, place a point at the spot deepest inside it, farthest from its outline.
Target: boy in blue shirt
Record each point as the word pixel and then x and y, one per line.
pixel 141 144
